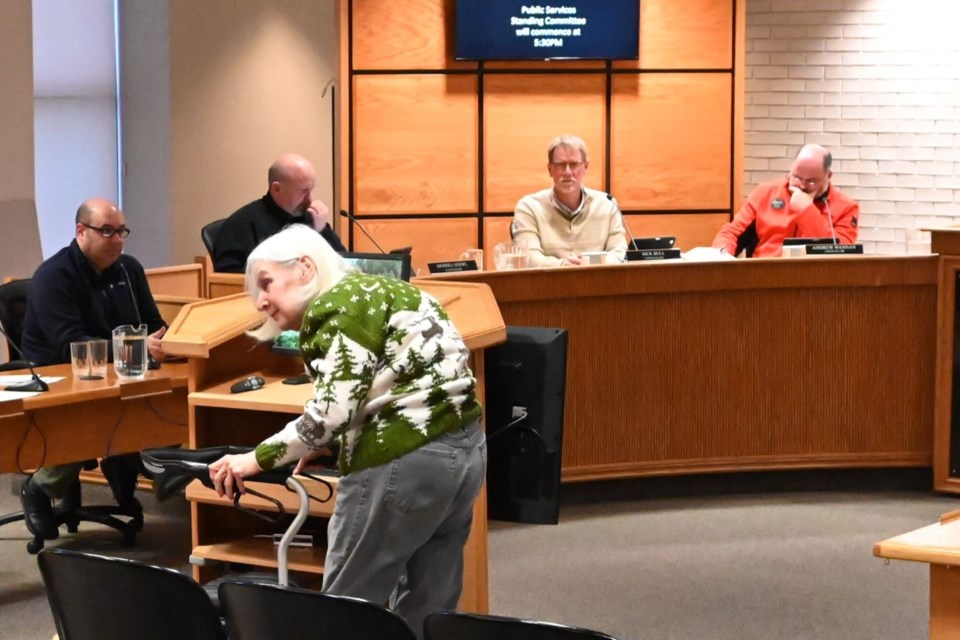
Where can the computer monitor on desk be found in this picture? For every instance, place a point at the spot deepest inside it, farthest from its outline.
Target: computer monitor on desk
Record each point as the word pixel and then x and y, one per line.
pixel 396 265
pixel 659 242
pixel 799 242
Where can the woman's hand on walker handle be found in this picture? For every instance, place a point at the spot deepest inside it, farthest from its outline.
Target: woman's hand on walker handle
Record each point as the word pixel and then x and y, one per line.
pixel 230 470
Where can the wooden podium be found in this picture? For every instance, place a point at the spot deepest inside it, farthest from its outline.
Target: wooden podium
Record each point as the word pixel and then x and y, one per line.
pixel 211 335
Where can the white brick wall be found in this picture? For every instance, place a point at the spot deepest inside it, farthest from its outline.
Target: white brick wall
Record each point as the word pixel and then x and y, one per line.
pixel 875 81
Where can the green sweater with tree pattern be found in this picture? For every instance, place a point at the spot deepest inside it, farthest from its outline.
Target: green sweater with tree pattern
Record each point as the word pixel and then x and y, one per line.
pixel 389 374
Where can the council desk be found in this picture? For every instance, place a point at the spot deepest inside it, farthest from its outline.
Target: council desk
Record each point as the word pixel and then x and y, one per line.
pixel 80 419
pixel 761 364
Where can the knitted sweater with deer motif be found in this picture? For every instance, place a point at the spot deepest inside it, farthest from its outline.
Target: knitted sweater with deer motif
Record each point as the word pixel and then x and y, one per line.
pixel 389 374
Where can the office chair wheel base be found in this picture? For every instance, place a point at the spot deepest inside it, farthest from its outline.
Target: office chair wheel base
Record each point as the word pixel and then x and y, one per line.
pixel 35 546
pixel 129 539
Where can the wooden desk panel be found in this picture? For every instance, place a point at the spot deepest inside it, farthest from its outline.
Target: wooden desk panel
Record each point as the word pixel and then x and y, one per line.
pixel 765 364
pixel 185 280
pixel 220 285
pixel 939 545
pixel 79 420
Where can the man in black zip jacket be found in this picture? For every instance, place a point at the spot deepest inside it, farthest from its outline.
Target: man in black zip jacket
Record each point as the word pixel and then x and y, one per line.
pixel 80 293
pixel 290 179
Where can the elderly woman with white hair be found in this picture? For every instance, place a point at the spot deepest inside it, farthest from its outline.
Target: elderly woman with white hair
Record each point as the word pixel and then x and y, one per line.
pixel 393 388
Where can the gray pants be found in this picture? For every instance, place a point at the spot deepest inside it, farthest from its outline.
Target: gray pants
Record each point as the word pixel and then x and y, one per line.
pixel 403 525
pixel 55 480
pixel 120 471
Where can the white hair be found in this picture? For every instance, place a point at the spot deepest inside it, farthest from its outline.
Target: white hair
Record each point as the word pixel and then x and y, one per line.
pixel 284 249
pixel 569 141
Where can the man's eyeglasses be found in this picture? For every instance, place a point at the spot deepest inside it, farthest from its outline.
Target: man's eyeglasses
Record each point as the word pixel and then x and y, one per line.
pixel 807 182
pixel 107 231
pixel 573 166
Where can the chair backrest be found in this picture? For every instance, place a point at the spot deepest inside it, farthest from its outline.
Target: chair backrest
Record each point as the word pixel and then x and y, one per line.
pixel 456 625
pixel 13 308
pixel 268 611
pixel 94 597
pixel 209 234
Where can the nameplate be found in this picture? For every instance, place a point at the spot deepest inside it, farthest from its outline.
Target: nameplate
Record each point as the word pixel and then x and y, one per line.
pixel 653 254
pixel 833 249
pixel 453 266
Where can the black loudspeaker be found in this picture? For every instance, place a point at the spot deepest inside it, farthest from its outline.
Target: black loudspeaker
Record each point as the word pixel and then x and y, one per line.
pixel 525 386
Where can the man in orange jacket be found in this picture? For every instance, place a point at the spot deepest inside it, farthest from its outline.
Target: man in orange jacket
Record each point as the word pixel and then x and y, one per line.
pixel 805 205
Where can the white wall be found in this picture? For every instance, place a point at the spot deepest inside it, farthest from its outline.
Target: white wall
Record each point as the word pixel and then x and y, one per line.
pixel 211 94
pixel 76 159
pixel 145 118
pixel 877 82
pixel 75 125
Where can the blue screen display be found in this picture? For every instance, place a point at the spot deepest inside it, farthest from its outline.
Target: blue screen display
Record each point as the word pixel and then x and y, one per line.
pixel 572 29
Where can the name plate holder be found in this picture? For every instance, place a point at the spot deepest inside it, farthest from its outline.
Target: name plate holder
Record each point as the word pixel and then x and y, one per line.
pixel 834 249
pixel 643 255
pixel 452 266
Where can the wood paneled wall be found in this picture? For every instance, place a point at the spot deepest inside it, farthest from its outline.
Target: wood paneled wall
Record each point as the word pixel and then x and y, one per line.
pixel 437 152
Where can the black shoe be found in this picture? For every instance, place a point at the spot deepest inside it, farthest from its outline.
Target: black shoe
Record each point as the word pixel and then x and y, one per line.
pixel 38 512
pixel 121 474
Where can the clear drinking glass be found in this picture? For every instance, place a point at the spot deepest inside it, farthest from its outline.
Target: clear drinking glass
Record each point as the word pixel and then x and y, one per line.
pixel 97 354
pixel 130 351
pixel 79 360
pixel 510 255
pixel 474 254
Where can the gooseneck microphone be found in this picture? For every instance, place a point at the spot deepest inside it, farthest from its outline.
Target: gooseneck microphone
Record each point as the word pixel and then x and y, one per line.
pixel 349 216
pixel 37 384
pixel 623 221
pixel 833 233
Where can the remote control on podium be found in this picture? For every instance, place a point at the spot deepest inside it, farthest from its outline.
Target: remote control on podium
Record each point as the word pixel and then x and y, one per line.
pixel 247 384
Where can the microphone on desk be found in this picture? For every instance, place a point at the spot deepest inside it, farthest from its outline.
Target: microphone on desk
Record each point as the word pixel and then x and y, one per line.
pixel 833 233
pixel 37 384
pixel 351 218
pixel 623 221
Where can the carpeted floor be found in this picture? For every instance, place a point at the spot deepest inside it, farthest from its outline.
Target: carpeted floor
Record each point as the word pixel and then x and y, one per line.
pixel 708 557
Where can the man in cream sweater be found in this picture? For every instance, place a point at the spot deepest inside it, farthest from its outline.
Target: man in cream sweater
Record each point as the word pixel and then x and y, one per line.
pixel 561 223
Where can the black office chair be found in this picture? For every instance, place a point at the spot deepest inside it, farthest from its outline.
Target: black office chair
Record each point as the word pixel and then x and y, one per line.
pixel 456 625
pixel 265 612
pixel 13 308
pixel 94 597
pixel 209 234
pixel 70 512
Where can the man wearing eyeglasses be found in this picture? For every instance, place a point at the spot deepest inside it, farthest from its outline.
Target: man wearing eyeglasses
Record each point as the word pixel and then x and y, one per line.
pixel 561 223
pixel 804 205
pixel 289 200
pixel 83 292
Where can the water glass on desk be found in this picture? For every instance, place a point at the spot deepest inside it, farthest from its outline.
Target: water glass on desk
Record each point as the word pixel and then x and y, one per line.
pixel 97 353
pixel 130 351
pixel 88 359
pixel 474 254
pixel 593 257
pixel 511 255
pixel 79 361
